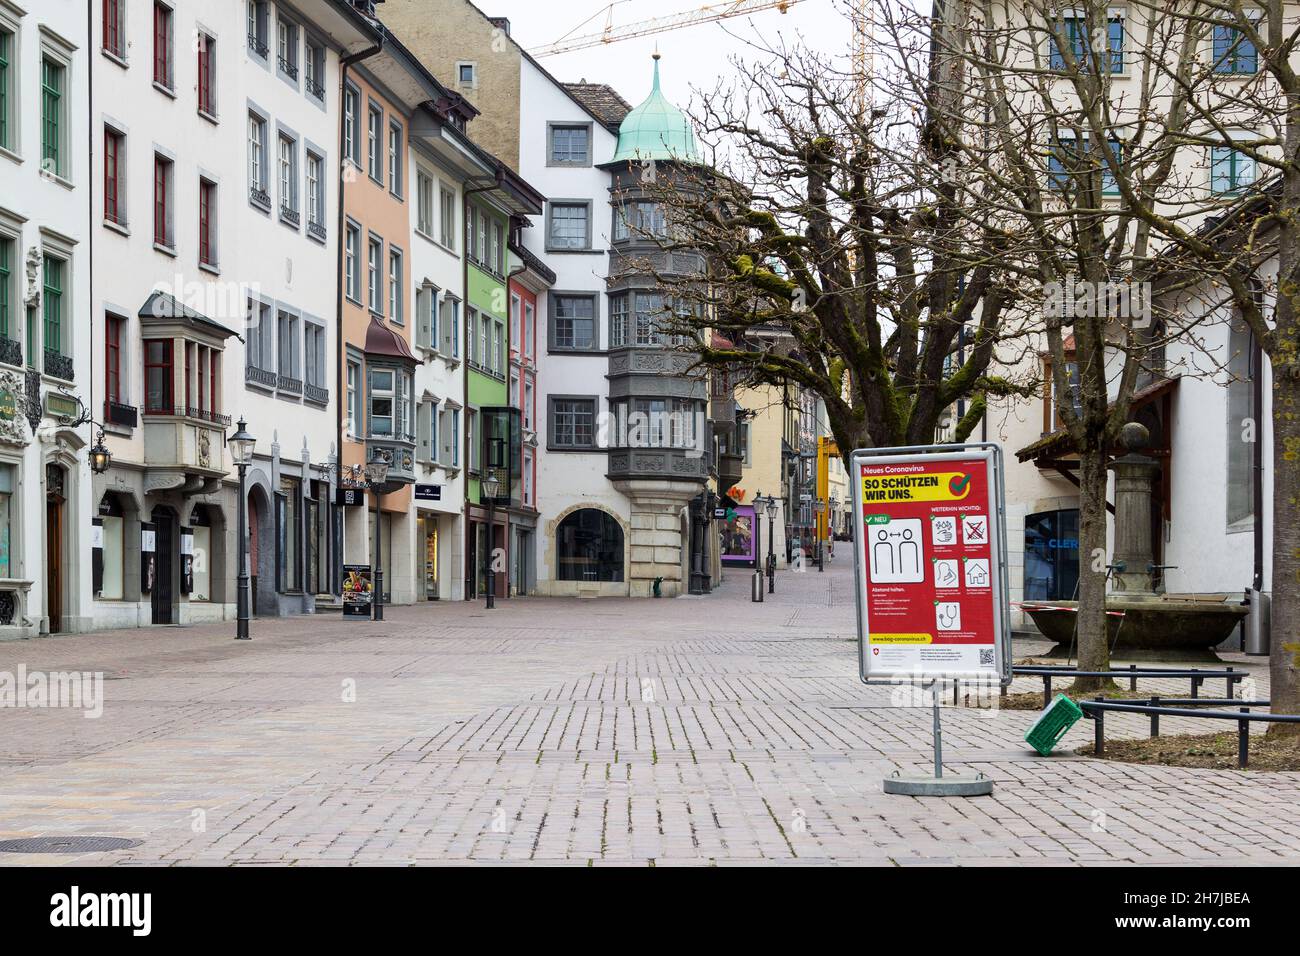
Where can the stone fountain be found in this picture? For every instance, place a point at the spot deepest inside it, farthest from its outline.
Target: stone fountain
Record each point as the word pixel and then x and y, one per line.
pixel 1151 625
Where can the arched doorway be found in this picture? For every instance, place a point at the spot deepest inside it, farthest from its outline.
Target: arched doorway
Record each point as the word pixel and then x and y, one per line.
pixel 162 594
pixel 589 547
pixel 56 504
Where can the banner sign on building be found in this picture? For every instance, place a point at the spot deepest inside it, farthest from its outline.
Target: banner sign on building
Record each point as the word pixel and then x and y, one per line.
pixel 931 564
pixel 351 497
pixel 428 492
pixel 357 590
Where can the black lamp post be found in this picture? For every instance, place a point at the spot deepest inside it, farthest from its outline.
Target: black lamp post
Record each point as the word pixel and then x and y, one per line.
pixel 770 508
pixel 830 521
pixel 241 452
pixel 820 528
pixel 376 475
pixel 489 486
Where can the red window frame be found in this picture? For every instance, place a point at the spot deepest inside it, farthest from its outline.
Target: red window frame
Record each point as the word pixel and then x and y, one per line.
pixel 112 27
pixel 113 358
pixel 212 381
pixel 165 364
pixel 205 74
pixel 113 176
pixel 206 190
pixel 189 375
pixel 161 47
pixel 161 172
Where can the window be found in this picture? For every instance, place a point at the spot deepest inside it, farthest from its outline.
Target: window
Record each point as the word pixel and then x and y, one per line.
pixel 649 306
pixel 6 104
pixel 113 39
pixel 381 402
pixel 573 422
pixel 466 75
pixel 515 303
pixel 423 203
pixel 618 320
pixel 114 326
pixel 574 323
pixel 259 352
pixel 7 297
pixel 569 227
pixel 374 265
pixel 351 139
pixel 451 437
pixel 527 410
pixel 290 501
pixel 162 45
pixel 589 544
pixel 450 327
pixel 1052 418
pixel 530 328
pixel 158 377
pixel 498 249
pixel 313 351
pixel 288 365
pixel 427 431
pixel 1243 421
pixel 257 172
pixel 288 167
pixel 375 143
pixel 257 21
pixel 1068 166
pixel 54 120
pixel 484 341
pixel 351 275
pixel 396 287
pixel 1076 34
pixel 1052 555
pixel 498 348
pixel 353 378
pixel 52 300
pixel 426 317
pixel 395 157
pixel 207 222
pixel 1233 53
pixel 528 479
pixel 313 78
pixel 162 202
pixel 207 64
pixel 1231 170
pixel 448 211
pixel 114 156
pixel 637 220
pixel 286 48
pixel 471 335
pixel 471 430
pixel 6 520
pixel 315 192
pixel 570 145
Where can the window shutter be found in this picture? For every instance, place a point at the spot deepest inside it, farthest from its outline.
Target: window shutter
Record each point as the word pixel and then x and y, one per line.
pixel 447 306
pixel 424 305
pixel 425 415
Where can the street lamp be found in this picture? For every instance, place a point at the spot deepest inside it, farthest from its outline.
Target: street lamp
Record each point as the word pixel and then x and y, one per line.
pixel 100 456
pixel 241 452
pixel 376 475
pixel 770 508
pixel 488 488
pixel 830 523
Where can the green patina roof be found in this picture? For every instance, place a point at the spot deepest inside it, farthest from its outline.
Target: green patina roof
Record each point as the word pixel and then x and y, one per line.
pixel 656 130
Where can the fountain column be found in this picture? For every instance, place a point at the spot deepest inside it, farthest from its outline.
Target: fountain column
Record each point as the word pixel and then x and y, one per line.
pixel 1135 474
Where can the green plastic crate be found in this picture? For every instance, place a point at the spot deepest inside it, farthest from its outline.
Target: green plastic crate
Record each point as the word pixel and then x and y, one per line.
pixel 1061 714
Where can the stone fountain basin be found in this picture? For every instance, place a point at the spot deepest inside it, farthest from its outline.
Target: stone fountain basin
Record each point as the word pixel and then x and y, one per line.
pixel 1169 628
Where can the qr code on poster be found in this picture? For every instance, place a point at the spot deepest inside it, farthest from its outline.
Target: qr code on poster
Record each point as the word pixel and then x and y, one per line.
pixel 986 656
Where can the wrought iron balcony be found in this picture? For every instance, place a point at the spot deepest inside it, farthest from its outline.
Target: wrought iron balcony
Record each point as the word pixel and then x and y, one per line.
pixel 11 352
pixel 59 365
pixel 315 89
pixel 316 394
pixel 256 45
pixel 287 68
pixel 206 415
pixel 115 413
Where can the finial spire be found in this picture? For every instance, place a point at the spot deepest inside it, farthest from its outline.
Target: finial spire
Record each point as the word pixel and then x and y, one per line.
pixel 654 87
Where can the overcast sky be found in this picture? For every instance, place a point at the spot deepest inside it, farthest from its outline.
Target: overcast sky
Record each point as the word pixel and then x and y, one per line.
pixel 693 56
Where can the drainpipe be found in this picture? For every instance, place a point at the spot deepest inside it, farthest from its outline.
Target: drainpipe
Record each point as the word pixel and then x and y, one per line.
pixel 340 348
pixel 1257 452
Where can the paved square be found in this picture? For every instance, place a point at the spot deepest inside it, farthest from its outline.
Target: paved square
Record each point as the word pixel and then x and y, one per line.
pixel 694 731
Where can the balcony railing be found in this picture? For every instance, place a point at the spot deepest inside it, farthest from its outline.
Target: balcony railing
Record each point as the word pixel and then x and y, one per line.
pixel 11 352
pixel 314 393
pixel 290 215
pixel 206 415
pixel 259 196
pixel 259 376
pixel 286 383
pixel 115 413
pixel 58 365
pixel 256 45
pixel 316 230
pixel 315 89
pixel 287 68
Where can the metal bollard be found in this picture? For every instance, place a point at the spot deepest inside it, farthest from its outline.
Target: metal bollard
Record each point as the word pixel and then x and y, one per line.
pixel 1099 733
pixel 1196 687
pixel 1243 741
pixel 1155 718
pixel 1230 682
pixel 1047 690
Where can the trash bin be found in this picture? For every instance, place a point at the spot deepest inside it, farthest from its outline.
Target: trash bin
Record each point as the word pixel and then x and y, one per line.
pixel 756 582
pixel 1257 623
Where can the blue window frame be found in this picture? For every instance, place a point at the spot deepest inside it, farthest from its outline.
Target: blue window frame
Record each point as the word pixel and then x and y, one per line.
pixel 1064 162
pixel 1231 170
pixel 1233 53
pixel 1076 34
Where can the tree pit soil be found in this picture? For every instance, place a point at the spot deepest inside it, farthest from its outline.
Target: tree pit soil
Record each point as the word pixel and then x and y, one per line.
pixel 1203 751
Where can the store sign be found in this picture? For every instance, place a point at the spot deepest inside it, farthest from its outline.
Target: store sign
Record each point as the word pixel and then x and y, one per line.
pixel 8 405
pixel 60 406
pixel 351 497
pixel 428 492
pixel 357 590
pixel 931 570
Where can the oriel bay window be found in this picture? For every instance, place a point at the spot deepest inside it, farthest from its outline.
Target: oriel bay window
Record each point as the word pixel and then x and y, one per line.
pixel 158 383
pixel 202 381
pixel 391 403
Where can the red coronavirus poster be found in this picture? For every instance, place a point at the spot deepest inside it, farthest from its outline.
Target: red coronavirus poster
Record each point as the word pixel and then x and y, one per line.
pixel 929 561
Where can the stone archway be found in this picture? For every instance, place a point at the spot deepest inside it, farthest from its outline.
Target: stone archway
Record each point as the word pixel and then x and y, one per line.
pixel 261 550
pixel 552 540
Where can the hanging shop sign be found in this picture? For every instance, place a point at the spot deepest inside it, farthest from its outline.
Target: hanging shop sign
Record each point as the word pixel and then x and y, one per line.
pixel 931 564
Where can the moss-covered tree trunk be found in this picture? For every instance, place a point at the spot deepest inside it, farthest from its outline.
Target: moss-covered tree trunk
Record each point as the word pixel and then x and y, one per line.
pixel 1094 647
pixel 1284 659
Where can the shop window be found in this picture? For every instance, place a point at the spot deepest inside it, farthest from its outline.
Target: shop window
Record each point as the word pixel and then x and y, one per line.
pixel 590 545
pixel 1052 555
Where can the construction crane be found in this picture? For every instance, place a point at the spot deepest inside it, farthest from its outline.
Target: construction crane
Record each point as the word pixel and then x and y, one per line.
pixel 688 18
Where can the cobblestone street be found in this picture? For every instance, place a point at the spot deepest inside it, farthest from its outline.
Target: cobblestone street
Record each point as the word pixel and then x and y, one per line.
pixel 694 731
